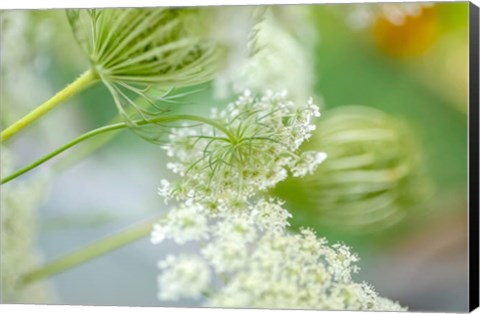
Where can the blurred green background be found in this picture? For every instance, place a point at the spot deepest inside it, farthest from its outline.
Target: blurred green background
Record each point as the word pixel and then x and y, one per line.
pixel 421 262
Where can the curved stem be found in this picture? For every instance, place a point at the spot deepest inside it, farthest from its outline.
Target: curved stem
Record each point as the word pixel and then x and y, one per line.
pixel 92 146
pixel 79 84
pixel 113 127
pixel 89 252
pixel 80 153
pixel 62 149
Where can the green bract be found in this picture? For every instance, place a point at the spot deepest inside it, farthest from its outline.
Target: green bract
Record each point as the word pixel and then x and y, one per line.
pixel 134 51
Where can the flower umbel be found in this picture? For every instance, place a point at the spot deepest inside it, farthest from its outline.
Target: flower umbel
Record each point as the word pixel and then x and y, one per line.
pixel 254 149
pixel 224 167
pixel 299 271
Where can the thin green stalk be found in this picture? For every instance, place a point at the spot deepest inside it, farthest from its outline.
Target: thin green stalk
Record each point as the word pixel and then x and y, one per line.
pixel 62 149
pixel 89 252
pixel 76 86
pixel 112 127
pixel 87 149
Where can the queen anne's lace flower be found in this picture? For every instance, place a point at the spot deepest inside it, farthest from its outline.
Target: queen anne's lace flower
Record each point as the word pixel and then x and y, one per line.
pixel 298 271
pixel 224 170
pixel 271 267
pixel 252 152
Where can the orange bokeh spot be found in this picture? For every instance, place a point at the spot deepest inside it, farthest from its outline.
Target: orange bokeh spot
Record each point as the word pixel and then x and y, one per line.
pixel 413 37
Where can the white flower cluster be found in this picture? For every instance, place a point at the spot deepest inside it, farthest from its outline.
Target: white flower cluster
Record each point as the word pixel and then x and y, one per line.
pixel 243 235
pixel 182 224
pixel 299 271
pixel 273 269
pixel 253 151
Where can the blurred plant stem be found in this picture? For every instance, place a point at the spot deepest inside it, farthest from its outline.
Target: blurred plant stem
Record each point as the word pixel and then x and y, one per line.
pixel 83 81
pixel 89 252
pixel 113 127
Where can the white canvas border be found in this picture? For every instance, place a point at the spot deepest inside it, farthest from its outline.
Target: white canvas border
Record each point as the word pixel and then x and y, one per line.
pixel 76 309
pixel 47 4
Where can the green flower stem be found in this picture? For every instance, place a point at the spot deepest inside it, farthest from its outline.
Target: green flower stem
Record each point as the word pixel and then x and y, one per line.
pixel 78 85
pixel 49 156
pixel 112 127
pixel 80 154
pixel 89 252
pixel 87 149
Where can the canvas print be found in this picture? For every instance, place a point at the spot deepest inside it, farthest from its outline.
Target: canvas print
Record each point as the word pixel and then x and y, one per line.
pixel 282 157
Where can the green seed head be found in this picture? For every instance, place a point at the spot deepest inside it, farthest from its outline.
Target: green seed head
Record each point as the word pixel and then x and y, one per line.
pixel 151 46
pixel 140 54
pixel 372 178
